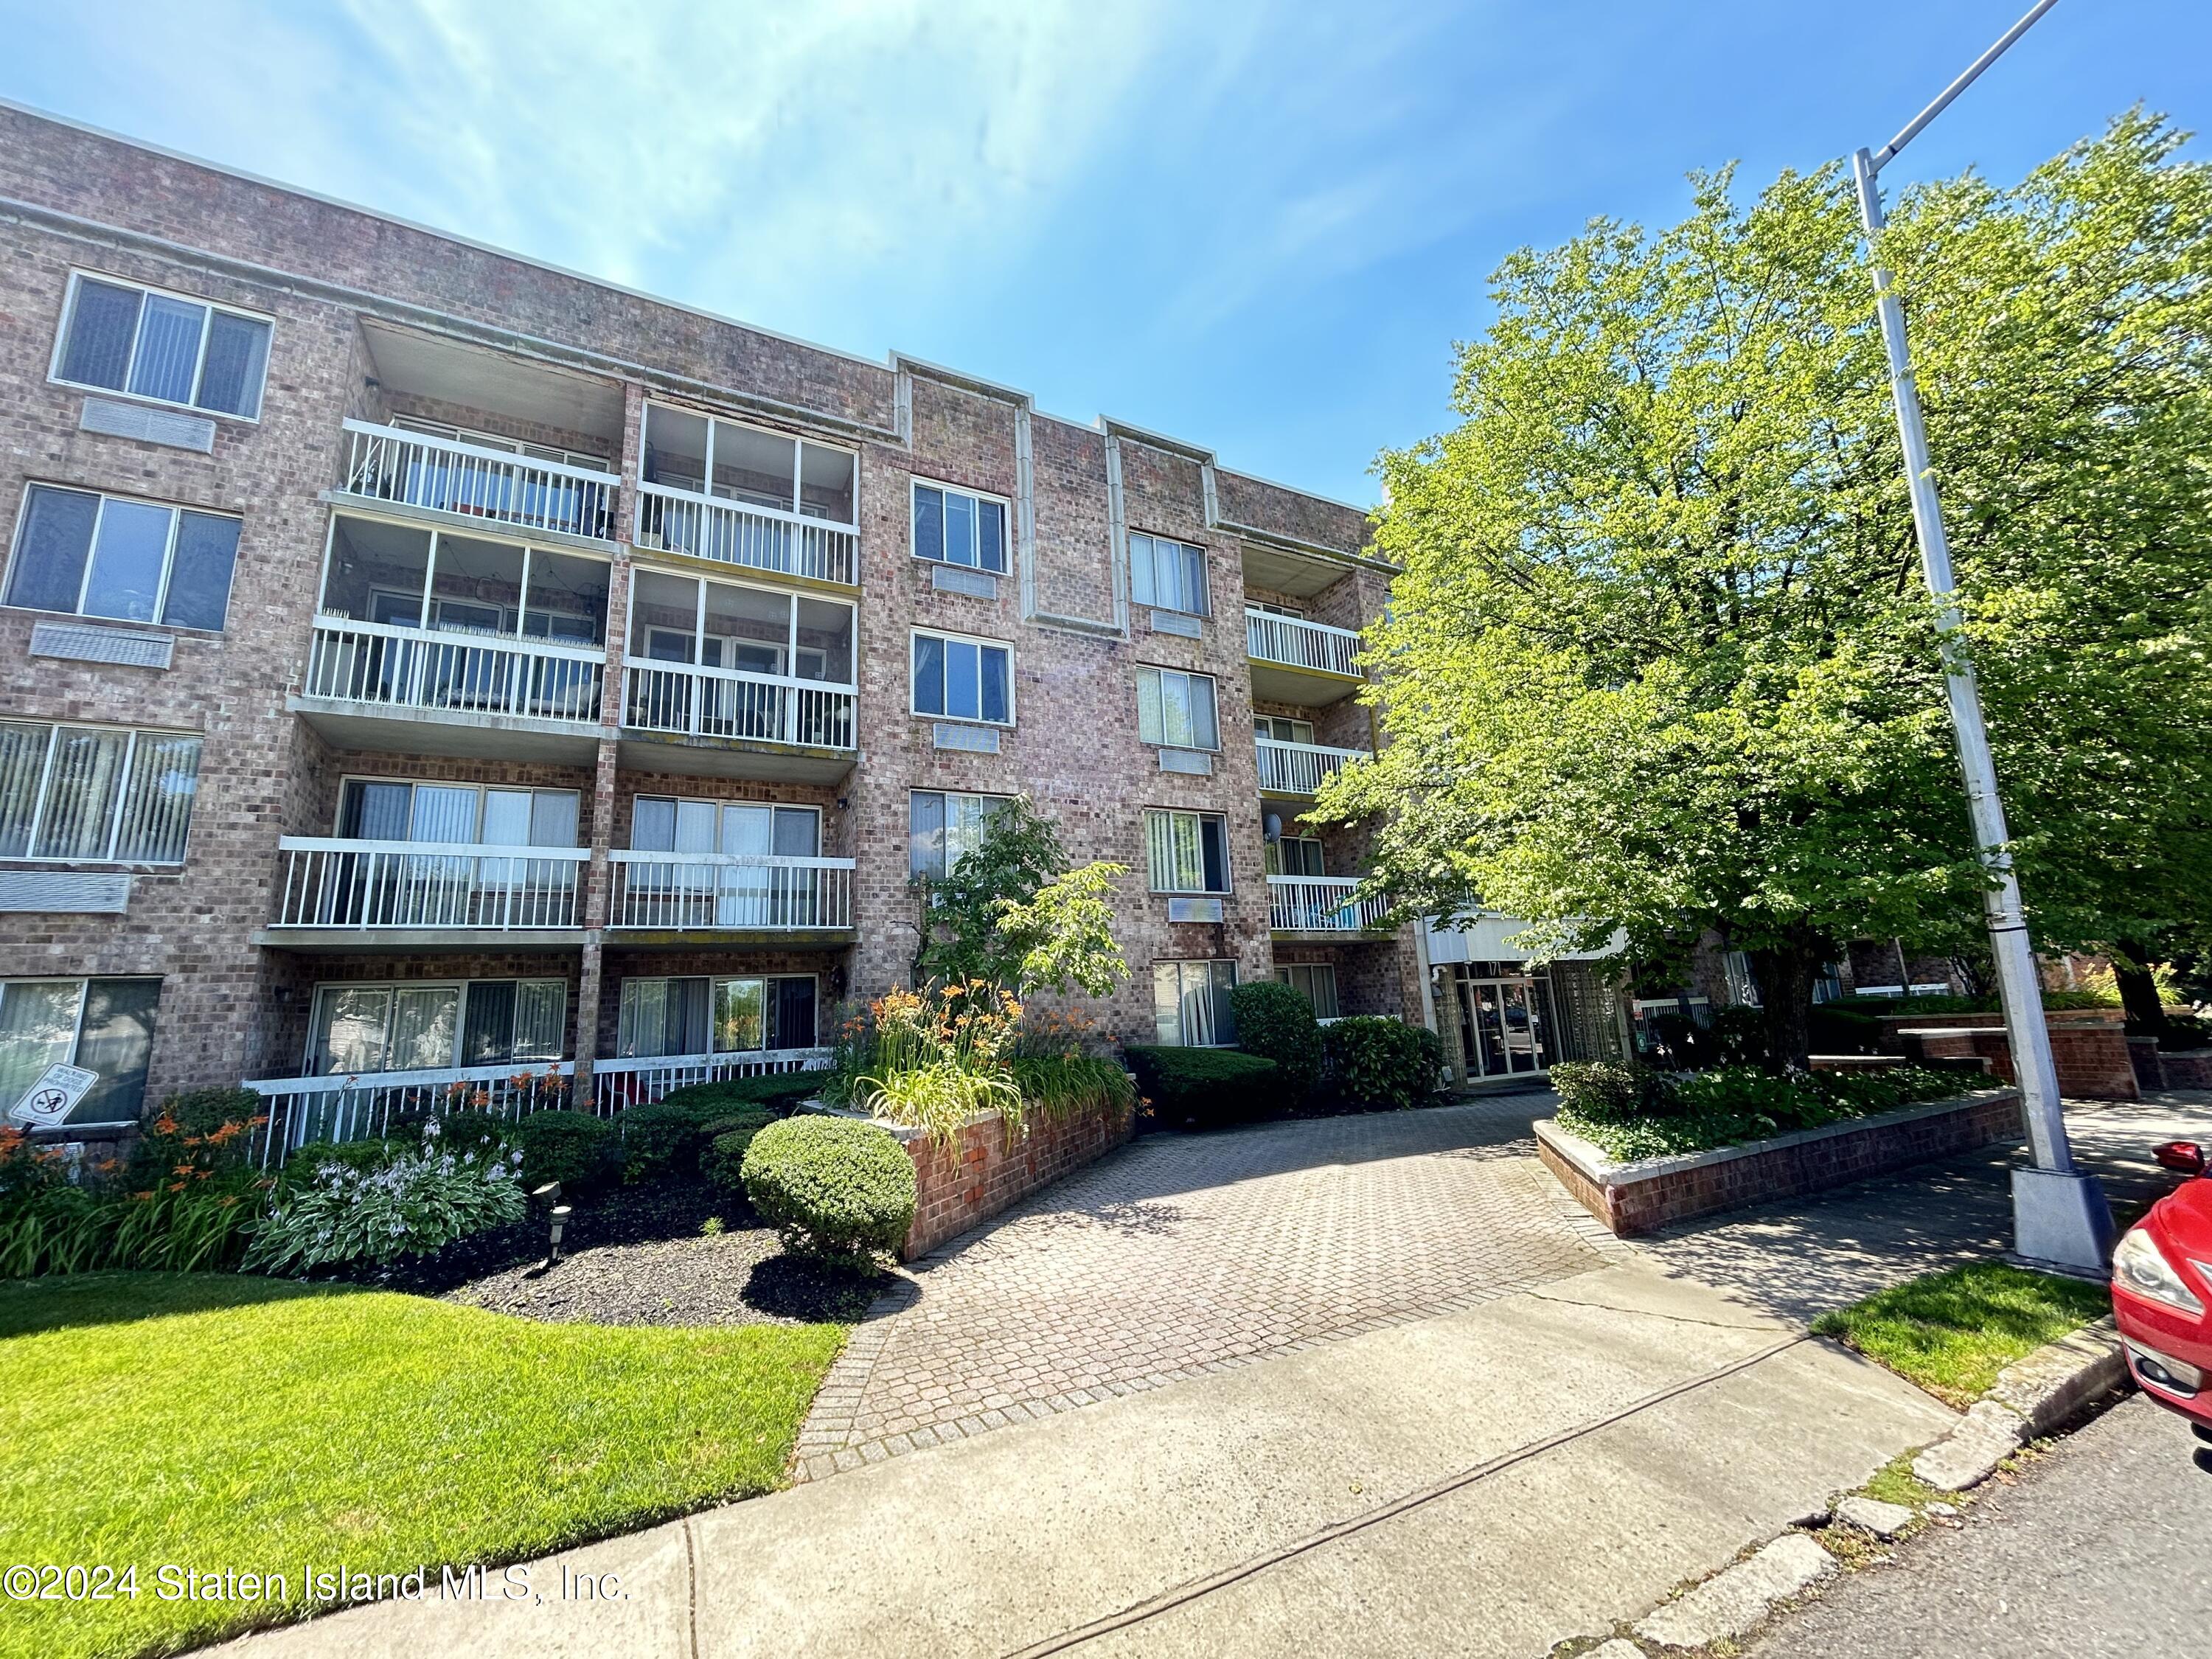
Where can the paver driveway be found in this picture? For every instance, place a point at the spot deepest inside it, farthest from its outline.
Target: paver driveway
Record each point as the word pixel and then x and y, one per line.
pixel 1183 1254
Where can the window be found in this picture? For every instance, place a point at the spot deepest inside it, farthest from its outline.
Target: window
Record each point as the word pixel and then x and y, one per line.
pixel 1275 729
pixel 944 828
pixel 1187 852
pixel 662 823
pixel 453 583
pixel 96 794
pixel 1317 982
pixel 163 347
pixel 1295 855
pixel 701 1016
pixel 1190 1004
pixel 463 435
pixel 1290 610
pixel 411 1027
pixel 963 679
pixel 953 526
pixel 379 808
pixel 103 1025
pixel 704 455
pixel 1169 575
pixel 754 630
pixel 102 555
pixel 1176 710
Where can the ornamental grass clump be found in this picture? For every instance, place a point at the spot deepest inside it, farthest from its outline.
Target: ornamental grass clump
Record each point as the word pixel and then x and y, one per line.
pixel 422 1199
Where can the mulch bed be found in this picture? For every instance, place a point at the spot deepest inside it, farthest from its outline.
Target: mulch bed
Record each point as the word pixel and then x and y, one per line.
pixel 637 1256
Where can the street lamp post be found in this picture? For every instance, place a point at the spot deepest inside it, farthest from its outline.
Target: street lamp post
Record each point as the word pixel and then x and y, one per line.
pixel 2059 1214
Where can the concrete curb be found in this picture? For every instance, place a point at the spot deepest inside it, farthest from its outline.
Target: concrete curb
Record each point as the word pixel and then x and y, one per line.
pixel 2029 1398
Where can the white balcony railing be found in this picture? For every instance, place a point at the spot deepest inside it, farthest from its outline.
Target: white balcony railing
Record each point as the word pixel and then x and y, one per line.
pixel 369 884
pixel 1298 769
pixel 393 667
pixel 1298 644
pixel 618 1084
pixel 728 703
pixel 1322 904
pixel 738 532
pixel 416 469
pixel 731 889
pixel 341 1106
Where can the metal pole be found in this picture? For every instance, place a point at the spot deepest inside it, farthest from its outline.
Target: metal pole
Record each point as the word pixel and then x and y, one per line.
pixel 2059 1214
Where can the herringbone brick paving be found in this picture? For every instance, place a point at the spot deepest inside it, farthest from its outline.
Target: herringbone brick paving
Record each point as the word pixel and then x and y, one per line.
pixel 1185 1254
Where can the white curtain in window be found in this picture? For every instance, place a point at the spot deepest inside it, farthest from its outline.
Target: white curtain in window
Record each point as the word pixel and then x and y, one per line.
pixel 168 356
pixel 1175 852
pixel 740 1015
pixel 541 1019
pixel 38 1029
pixel 644 1018
pixel 425 1020
pixel 157 799
pixel 349 1028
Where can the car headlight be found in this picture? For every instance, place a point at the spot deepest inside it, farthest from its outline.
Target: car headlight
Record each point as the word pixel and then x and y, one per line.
pixel 2139 1265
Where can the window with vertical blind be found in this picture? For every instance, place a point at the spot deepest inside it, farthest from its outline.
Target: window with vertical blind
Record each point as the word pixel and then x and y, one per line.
pixel 167 348
pixel 1190 1004
pixel 942 827
pixel 1187 852
pixel 1176 710
pixel 1167 574
pixel 1315 981
pixel 386 809
pixel 103 1025
pixel 957 526
pixel 699 1015
pixel 106 555
pixel 663 823
pixel 96 794
pixel 361 1028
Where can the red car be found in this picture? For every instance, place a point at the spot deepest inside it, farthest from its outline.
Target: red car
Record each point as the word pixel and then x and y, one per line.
pixel 2161 1285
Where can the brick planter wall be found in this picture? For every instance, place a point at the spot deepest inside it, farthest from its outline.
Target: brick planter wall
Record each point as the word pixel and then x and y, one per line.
pixel 964 1186
pixel 2087 1044
pixel 2189 1069
pixel 1640 1197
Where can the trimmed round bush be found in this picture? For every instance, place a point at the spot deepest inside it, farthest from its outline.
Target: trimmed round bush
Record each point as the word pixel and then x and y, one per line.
pixel 727 1140
pixel 569 1147
pixel 1275 1022
pixel 1377 1065
pixel 840 1189
pixel 1203 1087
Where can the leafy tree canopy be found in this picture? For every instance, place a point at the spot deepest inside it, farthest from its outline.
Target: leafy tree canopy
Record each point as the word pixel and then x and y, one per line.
pixel 1661 658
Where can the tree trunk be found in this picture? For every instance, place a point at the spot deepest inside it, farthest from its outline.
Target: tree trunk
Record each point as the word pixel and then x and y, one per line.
pixel 2146 1009
pixel 1786 975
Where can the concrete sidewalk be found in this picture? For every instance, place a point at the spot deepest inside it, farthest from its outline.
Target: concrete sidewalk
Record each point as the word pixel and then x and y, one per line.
pixel 1483 1483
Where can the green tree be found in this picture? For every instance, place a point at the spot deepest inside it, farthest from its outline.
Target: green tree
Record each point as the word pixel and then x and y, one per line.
pixel 1011 912
pixel 1660 658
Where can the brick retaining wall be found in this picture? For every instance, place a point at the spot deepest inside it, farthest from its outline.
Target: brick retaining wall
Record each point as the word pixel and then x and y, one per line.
pixel 2087 1046
pixel 964 1186
pixel 2166 1069
pixel 1641 1197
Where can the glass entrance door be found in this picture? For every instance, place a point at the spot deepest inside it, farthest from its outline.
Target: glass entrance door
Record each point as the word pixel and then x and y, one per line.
pixel 1501 1025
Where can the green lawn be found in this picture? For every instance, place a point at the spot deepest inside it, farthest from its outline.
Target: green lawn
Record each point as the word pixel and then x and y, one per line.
pixel 219 1420
pixel 1952 1332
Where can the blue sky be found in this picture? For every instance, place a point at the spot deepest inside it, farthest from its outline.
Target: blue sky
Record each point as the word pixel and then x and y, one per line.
pixel 1254 226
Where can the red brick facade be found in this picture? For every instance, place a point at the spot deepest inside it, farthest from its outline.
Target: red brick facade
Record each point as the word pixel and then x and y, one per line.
pixel 963 1187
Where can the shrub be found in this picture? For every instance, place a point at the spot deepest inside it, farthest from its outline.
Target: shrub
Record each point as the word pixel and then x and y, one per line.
pixel 1377 1065
pixel 728 1140
pixel 782 1090
pixel 419 1200
pixel 569 1147
pixel 1275 1022
pixel 1632 1113
pixel 202 1111
pixel 840 1189
pixel 1202 1086
pixel 1738 1035
pixel 1601 1089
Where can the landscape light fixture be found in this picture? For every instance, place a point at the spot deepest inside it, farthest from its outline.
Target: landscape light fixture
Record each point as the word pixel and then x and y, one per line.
pixel 560 1225
pixel 2060 1218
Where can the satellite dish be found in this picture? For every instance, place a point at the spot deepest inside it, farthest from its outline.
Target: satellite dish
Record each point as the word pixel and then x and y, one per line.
pixel 1271 827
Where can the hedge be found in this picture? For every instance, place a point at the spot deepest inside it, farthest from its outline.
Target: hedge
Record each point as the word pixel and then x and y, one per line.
pixel 727 1140
pixel 841 1188
pixel 1204 1086
pixel 783 1090
pixel 1275 1022
pixel 569 1147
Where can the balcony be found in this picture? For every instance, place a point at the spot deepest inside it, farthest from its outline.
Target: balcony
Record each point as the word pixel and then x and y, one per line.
pixel 387 686
pixel 465 485
pixel 340 1107
pixel 1298 769
pixel 335 894
pixel 1328 905
pixel 731 898
pixel 1298 661
pixel 617 1084
pixel 741 534
pixel 729 722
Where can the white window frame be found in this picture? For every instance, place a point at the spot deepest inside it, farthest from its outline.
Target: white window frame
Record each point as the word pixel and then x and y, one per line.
pixel 176 512
pixel 1287 972
pixel 788 653
pixel 1294 613
pixel 1204 572
pixel 116 813
pixel 1228 871
pixel 912 700
pixel 916 484
pixel 465 435
pixel 1266 723
pixel 621 994
pixel 453 1060
pixel 480 790
pixel 1181 965
pixel 1213 698
pixel 796 513
pixel 996 802
pixel 512 619
pixel 681 801
pixel 79 276
pixel 1275 855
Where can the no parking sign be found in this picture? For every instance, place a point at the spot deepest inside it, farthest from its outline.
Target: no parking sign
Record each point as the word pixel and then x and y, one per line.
pixel 52 1097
